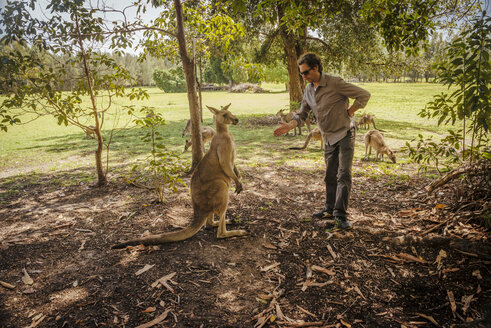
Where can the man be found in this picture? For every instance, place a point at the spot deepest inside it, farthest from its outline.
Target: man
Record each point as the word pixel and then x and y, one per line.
pixel 328 98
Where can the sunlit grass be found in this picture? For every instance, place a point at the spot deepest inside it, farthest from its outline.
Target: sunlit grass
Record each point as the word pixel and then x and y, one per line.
pixel 44 146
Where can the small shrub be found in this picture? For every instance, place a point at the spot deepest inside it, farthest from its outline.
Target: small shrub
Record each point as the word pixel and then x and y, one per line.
pixel 160 169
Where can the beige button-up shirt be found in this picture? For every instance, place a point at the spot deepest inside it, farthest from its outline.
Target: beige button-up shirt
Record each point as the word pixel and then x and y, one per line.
pixel 330 103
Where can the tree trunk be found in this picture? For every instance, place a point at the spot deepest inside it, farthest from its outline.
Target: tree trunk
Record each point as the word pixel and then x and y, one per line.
pixel 199 88
pixel 292 50
pixel 188 66
pixel 101 176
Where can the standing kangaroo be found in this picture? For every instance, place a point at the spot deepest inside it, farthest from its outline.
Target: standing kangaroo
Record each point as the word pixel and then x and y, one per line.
pixel 314 134
pixel 365 121
pixel 375 139
pixel 207 134
pixel 209 187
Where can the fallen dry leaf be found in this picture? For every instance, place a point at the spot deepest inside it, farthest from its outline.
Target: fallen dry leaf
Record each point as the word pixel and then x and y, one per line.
pixel 429 318
pixel 26 279
pixel 359 292
pixel 331 251
pixel 466 300
pixel 306 311
pixel 344 323
pixel 265 297
pixel 477 274
pixel 269 267
pixel 451 298
pixel 323 270
pixel 269 246
pixel 441 255
pixel 409 212
pixel 149 309
pixel 155 321
pixel 6 285
pixel 411 258
pixel 308 271
pixel 279 313
pixel 450 270
pixel 163 281
pixel 144 269
pixel 37 320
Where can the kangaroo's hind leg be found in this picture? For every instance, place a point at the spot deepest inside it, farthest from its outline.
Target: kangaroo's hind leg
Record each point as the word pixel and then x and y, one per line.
pixel 217 198
pixel 221 210
pixel 222 228
pixel 210 222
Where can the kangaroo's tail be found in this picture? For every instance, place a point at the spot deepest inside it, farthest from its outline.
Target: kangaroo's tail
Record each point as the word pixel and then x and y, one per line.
pixel 169 237
pixel 305 144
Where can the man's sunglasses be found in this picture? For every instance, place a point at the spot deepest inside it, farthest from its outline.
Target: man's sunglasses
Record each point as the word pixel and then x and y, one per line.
pixel 307 71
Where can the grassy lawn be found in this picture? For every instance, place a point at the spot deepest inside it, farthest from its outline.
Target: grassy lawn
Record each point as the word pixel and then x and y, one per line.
pixel 43 146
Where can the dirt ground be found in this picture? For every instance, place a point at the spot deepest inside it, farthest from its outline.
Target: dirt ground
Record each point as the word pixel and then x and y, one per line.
pixel 57 267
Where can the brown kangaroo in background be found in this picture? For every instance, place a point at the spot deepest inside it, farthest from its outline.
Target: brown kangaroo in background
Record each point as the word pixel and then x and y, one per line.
pixel 207 134
pixel 365 122
pixel 89 132
pixel 288 117
pixel 209 187
pixel 187 129
pixel 375 139
pixel 314 134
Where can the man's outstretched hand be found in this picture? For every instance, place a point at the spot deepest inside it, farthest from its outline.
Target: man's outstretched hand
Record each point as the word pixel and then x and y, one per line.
pixel 284 127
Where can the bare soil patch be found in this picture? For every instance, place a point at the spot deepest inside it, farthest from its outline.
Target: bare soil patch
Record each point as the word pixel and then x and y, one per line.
pixel 290 271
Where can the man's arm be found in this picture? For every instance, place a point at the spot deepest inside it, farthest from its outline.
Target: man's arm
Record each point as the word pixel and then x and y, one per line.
pixel 285 127
pixel 349 90
pixel 297 120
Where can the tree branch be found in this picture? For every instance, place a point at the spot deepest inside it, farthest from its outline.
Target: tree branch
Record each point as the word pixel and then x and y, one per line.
pixel 317 39
pixel 132 30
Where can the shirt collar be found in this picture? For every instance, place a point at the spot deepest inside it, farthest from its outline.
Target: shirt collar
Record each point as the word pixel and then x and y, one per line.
pixel 322 81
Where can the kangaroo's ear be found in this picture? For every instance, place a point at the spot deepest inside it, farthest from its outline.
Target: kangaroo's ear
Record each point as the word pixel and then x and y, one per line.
pixel 213 110
pixel 226 106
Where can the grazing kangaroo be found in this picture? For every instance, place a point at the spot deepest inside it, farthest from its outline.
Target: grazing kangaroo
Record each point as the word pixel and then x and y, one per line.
pixel 314 134
pixel 209 187
pixel 187 129
pixel 207 134
pixel 375 139
pixel 288 117
pixel 365 121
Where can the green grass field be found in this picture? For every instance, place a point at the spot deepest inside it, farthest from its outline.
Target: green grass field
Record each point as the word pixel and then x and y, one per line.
pixel 42 146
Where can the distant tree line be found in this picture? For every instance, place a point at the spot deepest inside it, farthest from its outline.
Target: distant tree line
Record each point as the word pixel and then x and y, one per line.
pixel 383 67
pixel 142 72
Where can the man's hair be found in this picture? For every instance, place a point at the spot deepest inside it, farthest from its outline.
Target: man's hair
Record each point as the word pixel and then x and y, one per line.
pixel 311 60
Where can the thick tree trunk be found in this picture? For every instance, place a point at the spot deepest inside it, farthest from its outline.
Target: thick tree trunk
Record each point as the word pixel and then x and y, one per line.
pixel 292 50
pixel 188 66
pixel 199 89
pixel 295 84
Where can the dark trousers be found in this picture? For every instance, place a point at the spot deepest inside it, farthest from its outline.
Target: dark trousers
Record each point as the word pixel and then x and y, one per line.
pixel 339 159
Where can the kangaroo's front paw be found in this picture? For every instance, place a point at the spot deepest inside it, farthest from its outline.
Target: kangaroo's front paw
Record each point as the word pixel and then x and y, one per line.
pixel 238 188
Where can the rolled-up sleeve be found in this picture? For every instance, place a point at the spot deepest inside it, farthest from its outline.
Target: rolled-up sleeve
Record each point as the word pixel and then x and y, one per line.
pixel 352 91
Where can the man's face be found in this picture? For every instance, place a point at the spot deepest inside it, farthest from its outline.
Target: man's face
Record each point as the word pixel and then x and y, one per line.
pixel 309 74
